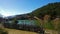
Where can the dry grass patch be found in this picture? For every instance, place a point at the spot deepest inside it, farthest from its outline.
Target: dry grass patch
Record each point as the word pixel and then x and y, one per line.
pixel 14 31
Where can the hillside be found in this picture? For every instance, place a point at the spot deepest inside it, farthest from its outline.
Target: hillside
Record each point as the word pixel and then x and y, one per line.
pixel 52 9
pixel 50 14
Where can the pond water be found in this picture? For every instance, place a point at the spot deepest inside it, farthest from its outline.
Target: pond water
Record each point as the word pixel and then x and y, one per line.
pixel 28 22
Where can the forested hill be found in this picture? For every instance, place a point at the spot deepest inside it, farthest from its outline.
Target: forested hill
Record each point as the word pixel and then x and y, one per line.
pixel 52 9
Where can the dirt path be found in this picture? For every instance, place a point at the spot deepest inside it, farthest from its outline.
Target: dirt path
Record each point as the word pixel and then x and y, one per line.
pixel 13 31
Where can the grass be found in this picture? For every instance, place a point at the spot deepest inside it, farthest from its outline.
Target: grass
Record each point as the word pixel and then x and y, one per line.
pixel 49 25
pixel 14 31
pixel 2 31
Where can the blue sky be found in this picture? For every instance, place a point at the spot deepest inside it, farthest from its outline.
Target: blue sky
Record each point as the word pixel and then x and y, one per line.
pixel 14 7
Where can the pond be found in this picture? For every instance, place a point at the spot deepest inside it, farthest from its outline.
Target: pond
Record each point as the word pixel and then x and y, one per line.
pixel 27 22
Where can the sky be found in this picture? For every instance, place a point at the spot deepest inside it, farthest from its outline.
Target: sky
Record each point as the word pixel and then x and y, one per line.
pixel 15 7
